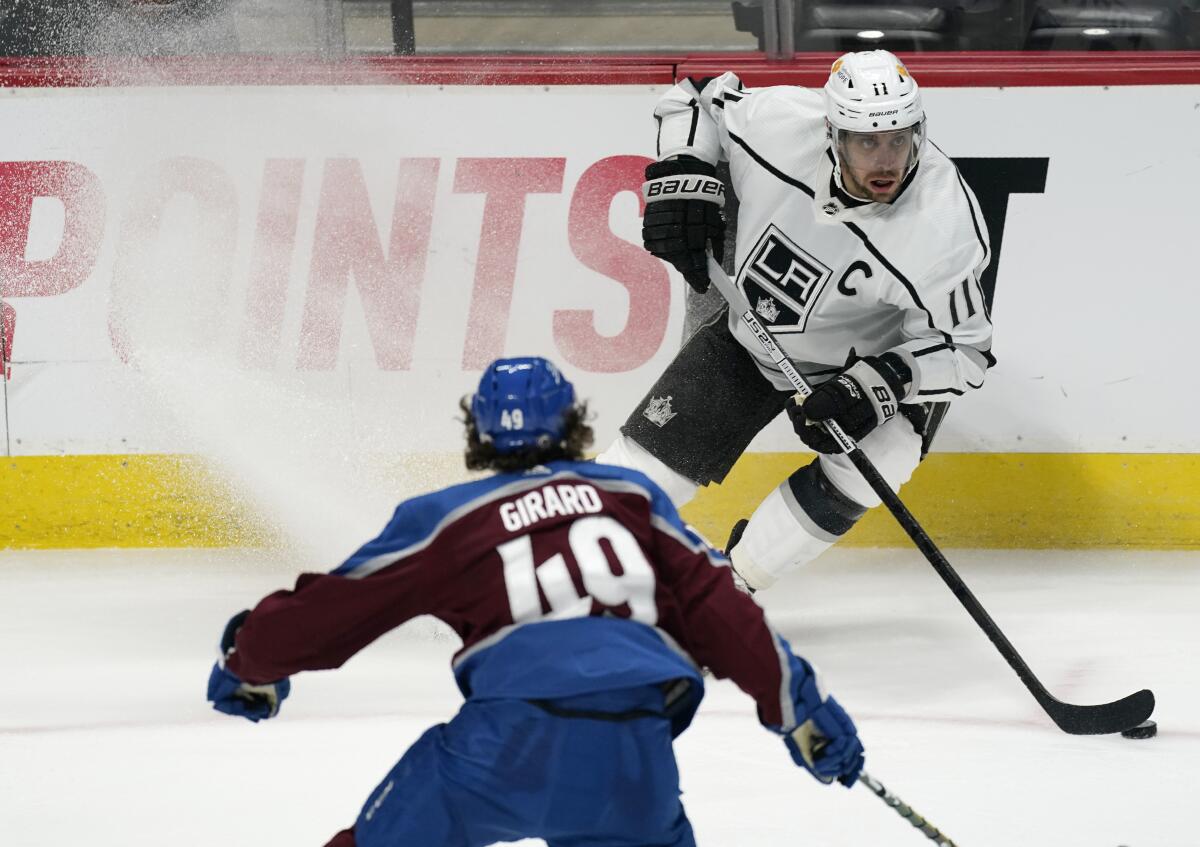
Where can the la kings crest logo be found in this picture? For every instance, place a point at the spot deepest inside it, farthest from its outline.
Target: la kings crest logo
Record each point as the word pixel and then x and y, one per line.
pixel 783 280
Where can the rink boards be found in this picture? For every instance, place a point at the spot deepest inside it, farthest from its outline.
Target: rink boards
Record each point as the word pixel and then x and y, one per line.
pixel 996 500
pixel 219 294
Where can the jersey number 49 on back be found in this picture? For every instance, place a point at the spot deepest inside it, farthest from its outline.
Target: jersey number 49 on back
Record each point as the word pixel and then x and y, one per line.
pixel 580 541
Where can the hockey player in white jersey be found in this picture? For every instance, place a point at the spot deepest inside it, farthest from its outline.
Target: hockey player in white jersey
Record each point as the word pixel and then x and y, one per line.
pixel 859 245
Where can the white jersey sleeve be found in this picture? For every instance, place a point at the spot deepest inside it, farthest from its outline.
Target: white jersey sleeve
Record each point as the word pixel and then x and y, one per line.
pixel 950 338
pixel 947 327
pixel 691 122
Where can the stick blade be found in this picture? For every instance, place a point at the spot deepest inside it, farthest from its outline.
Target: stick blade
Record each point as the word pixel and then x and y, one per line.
pixel 1102 719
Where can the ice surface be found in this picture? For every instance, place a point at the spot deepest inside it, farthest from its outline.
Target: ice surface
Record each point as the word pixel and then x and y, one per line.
pixel 106 740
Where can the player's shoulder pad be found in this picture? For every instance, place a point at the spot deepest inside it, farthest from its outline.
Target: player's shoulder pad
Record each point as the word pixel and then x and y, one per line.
pixel 945 210
pixel 785 103
pixel 942 187
pixel 418 520
pixel 776 119
pixel 659 502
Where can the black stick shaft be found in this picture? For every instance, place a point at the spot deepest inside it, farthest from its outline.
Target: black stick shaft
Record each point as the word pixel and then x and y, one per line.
pixel 1079 720
pixel 950 576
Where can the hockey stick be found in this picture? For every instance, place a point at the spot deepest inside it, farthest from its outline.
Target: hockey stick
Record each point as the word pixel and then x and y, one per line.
pixel 1100 719
pixel 905 811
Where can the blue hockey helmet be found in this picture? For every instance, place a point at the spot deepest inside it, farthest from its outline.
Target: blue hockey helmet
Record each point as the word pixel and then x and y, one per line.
pixel 521 404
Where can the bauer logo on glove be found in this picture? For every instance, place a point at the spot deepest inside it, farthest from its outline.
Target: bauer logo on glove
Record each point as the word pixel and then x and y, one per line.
pixel 667 188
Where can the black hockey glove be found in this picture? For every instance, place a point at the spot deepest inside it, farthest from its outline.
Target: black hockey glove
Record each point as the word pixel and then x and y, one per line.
pixel 683 216
pixel 863 396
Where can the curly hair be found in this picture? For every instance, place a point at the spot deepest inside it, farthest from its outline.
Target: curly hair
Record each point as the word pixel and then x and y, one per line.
pixel 482 456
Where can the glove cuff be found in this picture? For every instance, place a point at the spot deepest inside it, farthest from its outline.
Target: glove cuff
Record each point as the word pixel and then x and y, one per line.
pixel 892 367
pixel 229 636
pixel 680 166
pixel 880 391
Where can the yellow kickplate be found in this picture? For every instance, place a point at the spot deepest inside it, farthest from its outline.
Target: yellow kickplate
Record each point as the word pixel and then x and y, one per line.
pixel 1005 500
pixel 145 500
pixel 1009 500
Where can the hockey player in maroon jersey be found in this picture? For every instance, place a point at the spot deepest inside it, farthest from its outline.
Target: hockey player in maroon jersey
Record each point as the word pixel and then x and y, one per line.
pixel 586 609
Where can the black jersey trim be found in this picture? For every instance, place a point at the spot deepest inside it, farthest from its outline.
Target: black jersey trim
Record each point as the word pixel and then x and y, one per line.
pixel 987 313
pixel 719 100
pixel 908 286
pixel 771 169
pixel 932 349
pixel 983 243
pixel 906 182
pixel 989 360
pixel 950 390
pixel 862 236
pixel 966 287
pixel 658 137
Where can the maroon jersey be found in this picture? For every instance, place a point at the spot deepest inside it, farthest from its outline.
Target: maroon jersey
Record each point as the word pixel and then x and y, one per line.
pixel 567 579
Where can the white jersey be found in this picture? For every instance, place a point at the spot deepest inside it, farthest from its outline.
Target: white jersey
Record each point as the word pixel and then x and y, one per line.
pixel 826 276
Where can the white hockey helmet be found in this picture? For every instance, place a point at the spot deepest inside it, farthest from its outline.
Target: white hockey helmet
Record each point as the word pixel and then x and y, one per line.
pixel 870 92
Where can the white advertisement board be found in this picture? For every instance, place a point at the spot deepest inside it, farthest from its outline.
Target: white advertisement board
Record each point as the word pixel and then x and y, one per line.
pixel 182 265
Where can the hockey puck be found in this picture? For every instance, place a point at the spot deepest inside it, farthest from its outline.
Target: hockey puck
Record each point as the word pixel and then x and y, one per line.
pixel 1146 729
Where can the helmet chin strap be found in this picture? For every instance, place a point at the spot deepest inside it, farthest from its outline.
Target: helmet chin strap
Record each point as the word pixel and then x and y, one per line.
pixel 837 162
pixel 837 178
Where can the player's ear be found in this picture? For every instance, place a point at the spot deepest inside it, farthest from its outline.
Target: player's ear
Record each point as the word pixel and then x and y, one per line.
pixel 828 131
